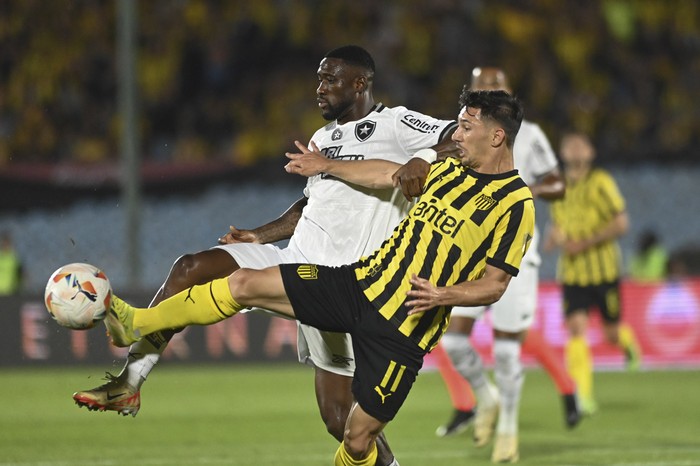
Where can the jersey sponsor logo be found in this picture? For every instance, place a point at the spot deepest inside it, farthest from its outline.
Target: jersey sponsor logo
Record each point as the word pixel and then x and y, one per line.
pixel 418 124
pixel 395 372
pixel 446 224
pixel 337 134
pixel 332 152
pixel 484 202
pixel 307 272
pixel 364 130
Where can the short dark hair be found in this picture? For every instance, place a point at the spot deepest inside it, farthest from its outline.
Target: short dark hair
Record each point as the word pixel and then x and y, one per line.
pixel 354 55
pixel 499 106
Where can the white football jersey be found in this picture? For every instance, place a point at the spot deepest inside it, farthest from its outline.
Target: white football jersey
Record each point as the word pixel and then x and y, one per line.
pixel 533 157
pixel 341 221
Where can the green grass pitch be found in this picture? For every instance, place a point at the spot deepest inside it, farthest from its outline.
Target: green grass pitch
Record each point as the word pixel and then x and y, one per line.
pixel 266 416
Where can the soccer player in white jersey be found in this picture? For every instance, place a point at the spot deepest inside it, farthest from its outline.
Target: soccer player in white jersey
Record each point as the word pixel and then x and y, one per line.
pixel 513 314
pixel 334 223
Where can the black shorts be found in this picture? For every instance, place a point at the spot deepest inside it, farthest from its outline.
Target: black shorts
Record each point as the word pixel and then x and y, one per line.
pixel 605 297
pixel 386 361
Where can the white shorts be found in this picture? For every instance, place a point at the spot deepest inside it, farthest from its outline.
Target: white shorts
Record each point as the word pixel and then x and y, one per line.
pixel 328 350
pixel 515 311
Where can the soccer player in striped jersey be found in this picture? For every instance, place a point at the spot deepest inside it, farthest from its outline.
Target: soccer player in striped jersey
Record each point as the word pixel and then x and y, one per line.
pixel 334 223
pixel 585 227
pixel 511 316
pixel 460 244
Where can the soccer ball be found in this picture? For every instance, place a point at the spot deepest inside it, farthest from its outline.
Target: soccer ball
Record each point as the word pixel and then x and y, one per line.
pixel 77 296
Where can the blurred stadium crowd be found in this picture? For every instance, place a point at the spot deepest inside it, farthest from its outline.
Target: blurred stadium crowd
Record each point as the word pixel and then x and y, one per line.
pixel 234 80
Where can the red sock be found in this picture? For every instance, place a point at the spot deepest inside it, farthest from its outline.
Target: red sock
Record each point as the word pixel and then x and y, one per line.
pixel 536 345
pixel 460 391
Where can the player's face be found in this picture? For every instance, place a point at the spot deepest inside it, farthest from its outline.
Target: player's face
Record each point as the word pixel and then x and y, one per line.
pixel 577 151
pixel 337 88
pixel 489 79
pixel 472 137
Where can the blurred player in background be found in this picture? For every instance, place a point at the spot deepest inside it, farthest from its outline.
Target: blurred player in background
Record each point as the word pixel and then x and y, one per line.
pixel 335 223
pixel 512 316
pixel 585 227
pixel 460 244
pixel 10 266
pixel 650 260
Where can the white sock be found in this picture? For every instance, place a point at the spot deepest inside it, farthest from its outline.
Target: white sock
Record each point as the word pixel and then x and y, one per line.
pixel 143 356
pixel 509 379
pixel 468 363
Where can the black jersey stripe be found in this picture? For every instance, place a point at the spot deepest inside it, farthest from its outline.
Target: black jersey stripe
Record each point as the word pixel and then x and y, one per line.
pixel 453 256
pixel 402 231
pixel 400 273
pixel 444 170
pixel 442 326
pixel 468 194
pixel 516 216
pixel 426 321
pixel 478 254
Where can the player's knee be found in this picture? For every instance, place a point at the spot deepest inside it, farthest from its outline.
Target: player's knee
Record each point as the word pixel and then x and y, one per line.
pixel 357 445
pixel 243 285
pixel 184 271
pixel 334 418
pixel 335 428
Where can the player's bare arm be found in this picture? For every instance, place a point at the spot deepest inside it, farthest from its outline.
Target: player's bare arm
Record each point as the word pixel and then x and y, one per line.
pixel 411 176
pixel 486 290
pixel 374 173
pixel 549 187
pixel 277 230
pixel 615 228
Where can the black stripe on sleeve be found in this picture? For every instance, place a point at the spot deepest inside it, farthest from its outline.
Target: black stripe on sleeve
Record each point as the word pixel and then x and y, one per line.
pixel 506 242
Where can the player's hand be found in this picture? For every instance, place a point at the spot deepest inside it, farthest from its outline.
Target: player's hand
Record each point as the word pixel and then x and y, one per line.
pixel 308 162
pixel 239 236
pixel 573 247
pixel 411 177
pixel 424 296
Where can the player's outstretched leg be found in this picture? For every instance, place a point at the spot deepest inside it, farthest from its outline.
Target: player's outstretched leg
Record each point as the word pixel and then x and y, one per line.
pixel 468 363
pixel 122 393
pixel 536 345
pixel 580 364
pixel 628 342
pixel 199 305
pixel 509 379
pixel 461 395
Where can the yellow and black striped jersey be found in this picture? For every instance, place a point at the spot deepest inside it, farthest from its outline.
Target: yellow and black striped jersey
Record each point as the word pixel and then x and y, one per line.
pixel 462 221
pixel 588 206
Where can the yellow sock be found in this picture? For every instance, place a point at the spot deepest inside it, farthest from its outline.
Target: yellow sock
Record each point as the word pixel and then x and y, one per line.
pixel 201 305
pixel 626 337
pixel 628 342
pixel 343 458
pixel 580 365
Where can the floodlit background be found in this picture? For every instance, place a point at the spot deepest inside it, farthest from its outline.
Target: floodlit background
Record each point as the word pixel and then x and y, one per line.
pixel 222 88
